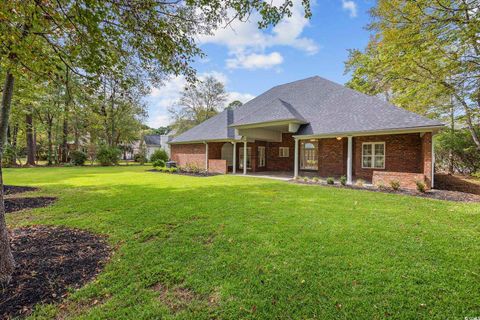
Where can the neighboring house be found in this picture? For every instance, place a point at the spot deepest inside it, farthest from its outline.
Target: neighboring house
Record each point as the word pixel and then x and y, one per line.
pixel 154 142
pixel 314 125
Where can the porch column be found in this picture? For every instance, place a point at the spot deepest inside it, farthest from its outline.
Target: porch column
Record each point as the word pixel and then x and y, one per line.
pixel 349 160
pixel 433 164
pixel 206 156
pixel 295 163
pixel 234 164
pixel 245 157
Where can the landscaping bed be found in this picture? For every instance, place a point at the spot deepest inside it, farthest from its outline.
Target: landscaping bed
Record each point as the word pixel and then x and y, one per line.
pixel 9 190
pixel 432 194
pixel 187 173
pixel 49 261
pixel 18 204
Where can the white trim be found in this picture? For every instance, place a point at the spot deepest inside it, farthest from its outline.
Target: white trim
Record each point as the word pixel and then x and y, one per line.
pixel 350 159
pixel 373 154
pixel 234 164
pixel 283 154
pixel 266 124
pixel 245 152
pixel 371 133
pixel 433 164
pixel 206 156
pixel 295 161
pixel 203 141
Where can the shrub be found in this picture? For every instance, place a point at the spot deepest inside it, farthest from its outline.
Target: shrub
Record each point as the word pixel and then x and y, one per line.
pixel 173 170
pixel 78 158
pixel 159 154
pixel 305 179
pixel 315 179
pixel 159 163
pixel 360 183
pixel 343 180
pixel 108 156
pixel 140 158
pixel 395 184
pixel 330 180
pixel 420 186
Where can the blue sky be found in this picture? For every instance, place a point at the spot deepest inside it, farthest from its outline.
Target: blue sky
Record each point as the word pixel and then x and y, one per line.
pixel 250 61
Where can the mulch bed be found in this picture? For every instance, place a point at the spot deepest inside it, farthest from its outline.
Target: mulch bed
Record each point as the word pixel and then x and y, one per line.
pixel 191 174
pixel 50 261
pixel 18 204
pixel 431 194
pixel 9 190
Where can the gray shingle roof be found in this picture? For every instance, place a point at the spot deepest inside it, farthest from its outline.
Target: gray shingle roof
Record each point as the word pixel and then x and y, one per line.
pixel 152 140
pixel 326 108
pixel 215 128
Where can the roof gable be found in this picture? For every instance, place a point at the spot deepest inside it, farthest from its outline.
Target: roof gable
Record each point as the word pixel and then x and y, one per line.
pixel 324 107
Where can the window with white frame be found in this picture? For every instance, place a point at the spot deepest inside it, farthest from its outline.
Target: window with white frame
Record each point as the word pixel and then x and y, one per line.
pixel 373 155
pixel 283 152
pixel 261 156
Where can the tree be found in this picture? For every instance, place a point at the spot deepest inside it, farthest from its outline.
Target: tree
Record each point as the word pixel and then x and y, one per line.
pixel 423 55
pixel 197 103
pixel 96 38
pixel 234 104
pixel 161 130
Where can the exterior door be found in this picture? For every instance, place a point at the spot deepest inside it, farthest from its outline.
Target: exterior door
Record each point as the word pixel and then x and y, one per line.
pixel 261 157
pixel 308 156
pixel 249 157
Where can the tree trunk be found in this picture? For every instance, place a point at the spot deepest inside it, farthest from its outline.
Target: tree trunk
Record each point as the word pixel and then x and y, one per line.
pixel 14 143
pixel 50 144
pixel 29 136
pixel 468 118
pixel 64 153
pixel 451 168
pixel 7 264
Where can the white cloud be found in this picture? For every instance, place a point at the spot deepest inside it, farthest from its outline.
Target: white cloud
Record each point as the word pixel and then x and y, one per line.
pixel 160 99
pixel 350 6
pixel 245 39
pixel 255 61
pixel 243 97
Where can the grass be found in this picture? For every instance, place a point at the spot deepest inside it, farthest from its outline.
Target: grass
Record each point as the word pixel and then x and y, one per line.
pixel 231 247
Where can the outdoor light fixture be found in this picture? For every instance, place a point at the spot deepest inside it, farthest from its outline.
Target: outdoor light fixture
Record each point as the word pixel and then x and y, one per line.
pixel 339 138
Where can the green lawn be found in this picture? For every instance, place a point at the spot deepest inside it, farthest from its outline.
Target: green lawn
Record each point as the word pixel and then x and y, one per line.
pixel 261 249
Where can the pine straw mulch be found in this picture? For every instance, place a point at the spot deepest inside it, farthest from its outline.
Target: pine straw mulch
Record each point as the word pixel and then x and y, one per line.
pixel 437 194
pixel 9 190
pixel 50 262
pixel 18 204
pixel 14 203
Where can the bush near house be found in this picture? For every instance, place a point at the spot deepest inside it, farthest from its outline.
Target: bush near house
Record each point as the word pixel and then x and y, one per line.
pixel 108 156
pixel 78 158
pixel 159 154
pixel 395 184
pixel 159 163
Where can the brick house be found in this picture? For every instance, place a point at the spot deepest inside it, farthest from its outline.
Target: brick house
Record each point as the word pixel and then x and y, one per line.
pixel 318 127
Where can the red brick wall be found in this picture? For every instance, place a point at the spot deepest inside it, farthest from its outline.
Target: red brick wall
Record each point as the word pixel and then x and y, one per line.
pixel 332 159
pixel 403 153
pixel 274 162
pixel 188 154
pixel 217 166
pixel 407 180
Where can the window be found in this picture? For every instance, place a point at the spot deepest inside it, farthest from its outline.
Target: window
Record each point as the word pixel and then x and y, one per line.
pixel 249 157
pixel 261 156
pixel 308 156
pixel 373 155
pixel 283 152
